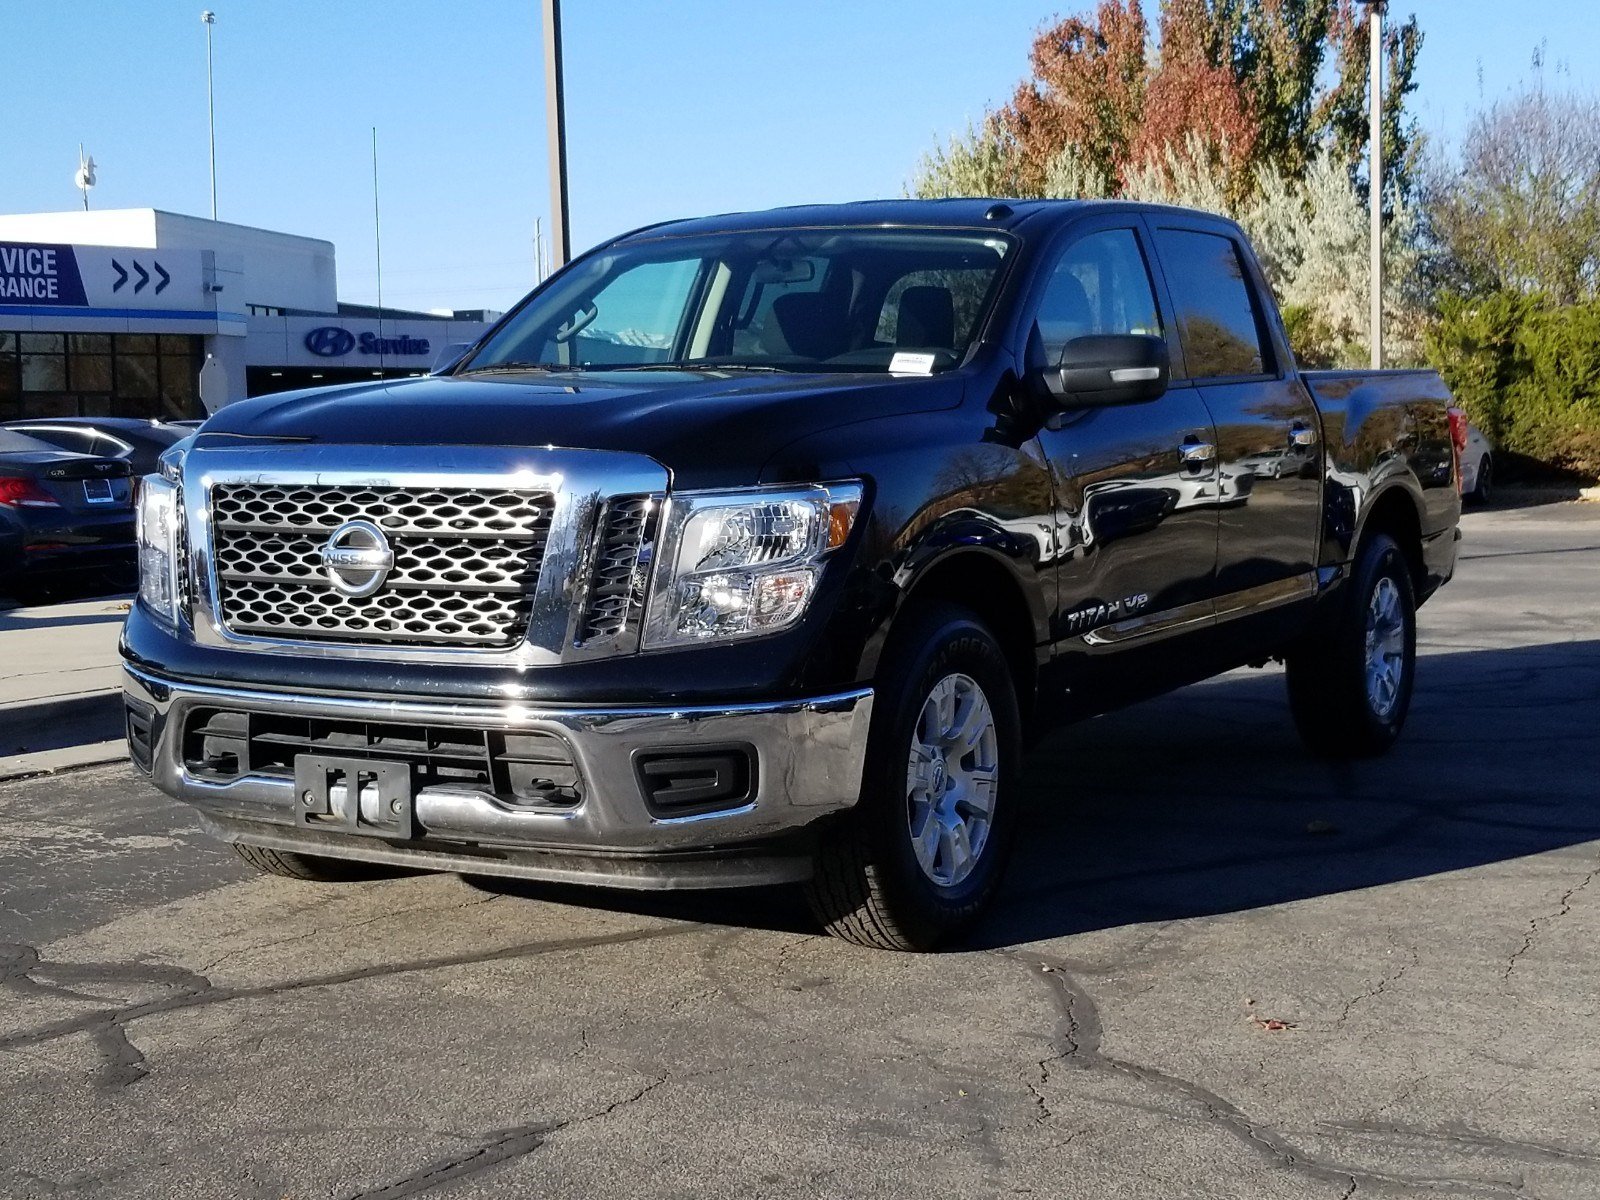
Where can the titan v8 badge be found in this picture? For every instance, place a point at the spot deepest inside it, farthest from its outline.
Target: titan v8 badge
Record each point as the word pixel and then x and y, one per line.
pixel 1096 615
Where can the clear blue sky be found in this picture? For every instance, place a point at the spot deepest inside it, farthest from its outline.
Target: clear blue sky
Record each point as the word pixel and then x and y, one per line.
pixel 673 110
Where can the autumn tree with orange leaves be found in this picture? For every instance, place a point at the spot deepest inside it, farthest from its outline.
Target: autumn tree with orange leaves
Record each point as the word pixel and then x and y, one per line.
pixel 1247 82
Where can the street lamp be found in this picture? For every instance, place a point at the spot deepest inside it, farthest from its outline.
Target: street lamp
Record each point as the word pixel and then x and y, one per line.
pixel 1375 10
pixel 556 115
pixel 209 18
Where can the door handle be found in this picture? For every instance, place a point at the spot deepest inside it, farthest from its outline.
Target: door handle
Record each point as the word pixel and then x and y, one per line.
pixel 1301 435
pixel 1198 454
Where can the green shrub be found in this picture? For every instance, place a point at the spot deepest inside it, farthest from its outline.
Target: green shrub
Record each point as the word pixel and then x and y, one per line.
pixel 1528 373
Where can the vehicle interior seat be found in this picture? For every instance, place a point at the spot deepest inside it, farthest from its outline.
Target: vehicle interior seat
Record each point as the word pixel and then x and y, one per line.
pixel 805 325
pixel 926 319
pixel 1064 314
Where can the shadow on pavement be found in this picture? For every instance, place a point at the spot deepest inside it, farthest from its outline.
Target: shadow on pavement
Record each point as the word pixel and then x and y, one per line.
pixel 1204 802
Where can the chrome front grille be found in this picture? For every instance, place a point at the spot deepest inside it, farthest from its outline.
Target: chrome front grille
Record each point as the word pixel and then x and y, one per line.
pixel 616 592
pixel 466 562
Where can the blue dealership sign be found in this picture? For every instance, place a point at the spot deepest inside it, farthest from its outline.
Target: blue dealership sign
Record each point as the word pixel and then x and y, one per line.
pixel 334 341
pixel 39 274
pixel 330 341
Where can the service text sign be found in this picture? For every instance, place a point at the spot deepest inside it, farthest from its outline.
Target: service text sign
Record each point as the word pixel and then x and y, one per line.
pixel 32 273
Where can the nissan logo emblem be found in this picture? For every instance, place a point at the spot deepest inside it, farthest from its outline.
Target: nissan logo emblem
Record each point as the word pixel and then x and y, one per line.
pixel 357 558
pixel 330 341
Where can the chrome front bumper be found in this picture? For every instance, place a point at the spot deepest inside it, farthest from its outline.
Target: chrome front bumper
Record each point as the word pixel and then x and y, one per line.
pixel 808 755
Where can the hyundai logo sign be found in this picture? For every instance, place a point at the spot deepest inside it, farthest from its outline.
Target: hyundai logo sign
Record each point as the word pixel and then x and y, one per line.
pixel 330 341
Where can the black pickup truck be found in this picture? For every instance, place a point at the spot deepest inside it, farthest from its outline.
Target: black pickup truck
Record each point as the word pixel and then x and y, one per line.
pixel 753 549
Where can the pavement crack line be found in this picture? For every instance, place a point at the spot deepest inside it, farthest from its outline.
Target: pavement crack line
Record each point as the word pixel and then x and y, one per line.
pixel 317 930
pixel 122 1063
pixel 1382 986
pixel 1538 924
pixel 521 1140
pixel 1078 1038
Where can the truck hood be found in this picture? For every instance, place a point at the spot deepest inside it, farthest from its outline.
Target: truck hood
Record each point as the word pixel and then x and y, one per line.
pixel 708 429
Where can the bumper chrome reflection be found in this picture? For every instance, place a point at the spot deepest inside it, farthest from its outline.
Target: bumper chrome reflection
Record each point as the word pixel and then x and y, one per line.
pixel 809 756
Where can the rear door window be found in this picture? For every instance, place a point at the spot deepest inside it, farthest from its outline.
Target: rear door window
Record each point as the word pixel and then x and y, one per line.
pixel 1219 315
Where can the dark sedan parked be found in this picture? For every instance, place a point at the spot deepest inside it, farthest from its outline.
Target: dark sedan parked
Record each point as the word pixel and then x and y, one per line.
pixel 61 512
pixel 140 442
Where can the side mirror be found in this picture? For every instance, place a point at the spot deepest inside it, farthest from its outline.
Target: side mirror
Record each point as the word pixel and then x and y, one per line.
pixel 1120 368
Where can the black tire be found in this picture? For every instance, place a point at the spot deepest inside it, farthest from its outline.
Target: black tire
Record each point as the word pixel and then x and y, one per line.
pixel 1483 485
pixel 869 887
pixel 313 868
pixel 1334 709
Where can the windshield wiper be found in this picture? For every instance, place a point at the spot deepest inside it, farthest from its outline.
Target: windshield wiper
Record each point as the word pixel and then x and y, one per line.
pixel 489 368
pixel 705 366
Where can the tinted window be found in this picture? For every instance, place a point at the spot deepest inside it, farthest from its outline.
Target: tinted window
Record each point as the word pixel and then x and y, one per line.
pixel 1101 285
pixel 958 291
pixel 1217 313
pixel 634 317
pixel 826 299
pixel 763 289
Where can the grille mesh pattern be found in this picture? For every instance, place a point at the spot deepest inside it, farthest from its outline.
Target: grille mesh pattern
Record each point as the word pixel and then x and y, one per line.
pixel 466 560
pixel 611 591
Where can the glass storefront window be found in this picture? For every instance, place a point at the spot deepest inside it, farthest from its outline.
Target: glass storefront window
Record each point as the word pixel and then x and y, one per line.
pixel 99 374
pixel 90 372
pixel 44 372
pixel 137 377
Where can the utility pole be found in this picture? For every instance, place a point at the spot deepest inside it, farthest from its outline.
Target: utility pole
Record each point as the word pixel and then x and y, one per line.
pixel 377 243
pixel 556 116
pixel 209 19
pixel 1375 10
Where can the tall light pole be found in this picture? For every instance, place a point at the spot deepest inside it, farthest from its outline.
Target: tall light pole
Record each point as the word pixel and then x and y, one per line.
pixel 209 18
pixel 1375 10
pixel 555 111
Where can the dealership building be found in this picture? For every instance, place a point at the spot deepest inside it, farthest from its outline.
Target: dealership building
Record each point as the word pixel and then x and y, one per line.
pixel 143 313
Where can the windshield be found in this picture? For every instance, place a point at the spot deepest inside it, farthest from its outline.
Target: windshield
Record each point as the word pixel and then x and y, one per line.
pixel 789 300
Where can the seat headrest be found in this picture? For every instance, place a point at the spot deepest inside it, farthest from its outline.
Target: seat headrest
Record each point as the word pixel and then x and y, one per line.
pixel 927 319
pixel 808 324
pixel 1066 312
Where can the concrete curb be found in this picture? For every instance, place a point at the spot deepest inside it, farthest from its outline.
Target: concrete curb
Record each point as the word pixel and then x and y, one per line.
pixel 48 762
pixel 60 723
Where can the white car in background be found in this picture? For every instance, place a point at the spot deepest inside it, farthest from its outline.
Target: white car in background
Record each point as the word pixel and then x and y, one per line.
pixel 1477 467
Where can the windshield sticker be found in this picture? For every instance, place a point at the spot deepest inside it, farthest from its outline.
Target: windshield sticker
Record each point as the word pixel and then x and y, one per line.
pixel 906 363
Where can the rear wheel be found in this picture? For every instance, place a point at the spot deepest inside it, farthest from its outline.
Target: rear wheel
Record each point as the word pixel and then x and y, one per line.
pixel 921 857
pixel 314 868
pixel 1482 485
pixel 1350 687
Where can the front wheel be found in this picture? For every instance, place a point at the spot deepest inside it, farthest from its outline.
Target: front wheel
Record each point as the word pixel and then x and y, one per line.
pixel 920 859
pixel 1350 688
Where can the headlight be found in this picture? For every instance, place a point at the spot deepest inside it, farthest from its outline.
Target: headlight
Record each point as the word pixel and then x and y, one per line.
pixel 741 564
pixel 159 541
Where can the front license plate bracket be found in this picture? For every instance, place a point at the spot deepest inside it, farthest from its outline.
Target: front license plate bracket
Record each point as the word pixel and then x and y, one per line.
pixel 354 795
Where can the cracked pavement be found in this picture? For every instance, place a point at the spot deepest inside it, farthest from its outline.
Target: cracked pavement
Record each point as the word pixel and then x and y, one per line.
pixel 1268 977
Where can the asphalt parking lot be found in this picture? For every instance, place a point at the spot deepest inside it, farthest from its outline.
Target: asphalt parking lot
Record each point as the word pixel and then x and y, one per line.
pixel 1221 970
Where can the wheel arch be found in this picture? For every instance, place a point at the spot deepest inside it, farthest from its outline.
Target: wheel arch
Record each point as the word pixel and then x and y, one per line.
pixel 1396 512
pixel 988 584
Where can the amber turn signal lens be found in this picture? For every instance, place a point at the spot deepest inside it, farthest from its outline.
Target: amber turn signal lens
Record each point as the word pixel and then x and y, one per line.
pixel 841 516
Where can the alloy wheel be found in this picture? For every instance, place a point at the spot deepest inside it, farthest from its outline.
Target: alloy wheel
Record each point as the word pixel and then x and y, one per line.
pixel 1386 647
pixel 951 779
